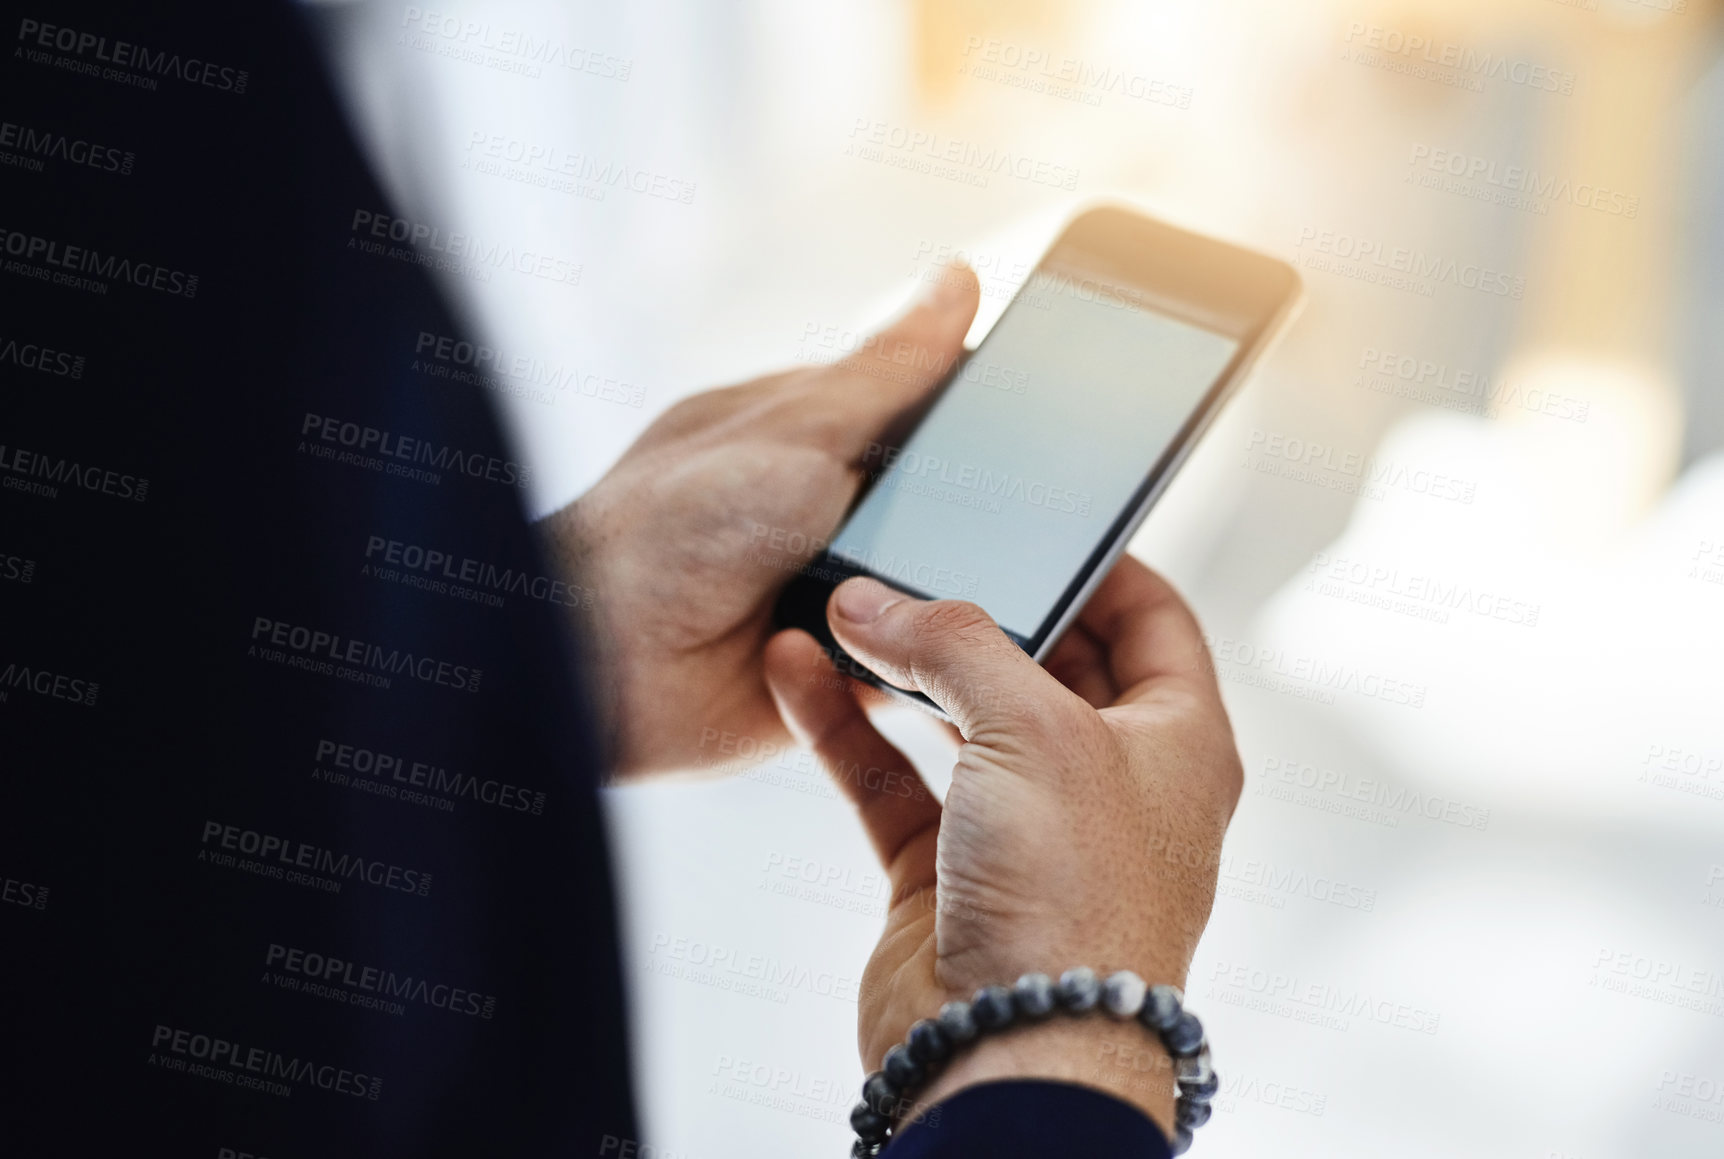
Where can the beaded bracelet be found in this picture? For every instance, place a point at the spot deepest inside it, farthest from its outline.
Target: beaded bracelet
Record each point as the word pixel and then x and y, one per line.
pixel 1124 995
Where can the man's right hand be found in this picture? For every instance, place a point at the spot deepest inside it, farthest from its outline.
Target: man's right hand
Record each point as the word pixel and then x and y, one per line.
pixel 1083 825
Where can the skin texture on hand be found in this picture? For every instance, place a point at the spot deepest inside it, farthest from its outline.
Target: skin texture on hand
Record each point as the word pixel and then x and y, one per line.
pixel 1083 825
pixel 689 538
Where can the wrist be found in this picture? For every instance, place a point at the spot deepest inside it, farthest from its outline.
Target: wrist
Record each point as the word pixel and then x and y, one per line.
pixel 1119 1058
pixel 570 544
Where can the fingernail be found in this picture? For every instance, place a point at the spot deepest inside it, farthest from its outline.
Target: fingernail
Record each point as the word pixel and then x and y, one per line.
pixel 861 601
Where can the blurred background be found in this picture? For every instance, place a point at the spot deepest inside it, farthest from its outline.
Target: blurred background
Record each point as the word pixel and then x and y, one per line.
pixel 1480 914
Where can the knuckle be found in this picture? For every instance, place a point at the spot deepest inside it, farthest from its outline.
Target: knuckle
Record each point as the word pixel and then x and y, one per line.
pixel 686 413
pixel 961 620
pixel 945 630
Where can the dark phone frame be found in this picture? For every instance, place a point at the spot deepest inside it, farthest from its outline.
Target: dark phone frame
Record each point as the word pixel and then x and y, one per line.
pixel 1221 287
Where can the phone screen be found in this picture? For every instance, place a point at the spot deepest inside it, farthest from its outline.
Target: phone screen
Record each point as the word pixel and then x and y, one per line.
pixel 1014 477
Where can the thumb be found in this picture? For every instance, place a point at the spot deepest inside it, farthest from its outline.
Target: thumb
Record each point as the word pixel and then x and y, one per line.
pixel 952 652
pixel 860 396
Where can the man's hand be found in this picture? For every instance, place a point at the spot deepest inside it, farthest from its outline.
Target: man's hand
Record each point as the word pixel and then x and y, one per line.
pixel 1083 825
pixel 689 538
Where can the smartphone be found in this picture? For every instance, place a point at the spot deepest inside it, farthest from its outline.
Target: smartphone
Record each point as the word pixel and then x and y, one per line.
pixel 1019 482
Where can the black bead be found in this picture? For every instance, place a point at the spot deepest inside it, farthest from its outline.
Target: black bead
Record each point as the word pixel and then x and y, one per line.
pixel 1034 995
pixel 1181 1141
pixel 1185 1037
pixel 1161 1009
pixel 902 1071
pixel 992 1008
pixel 1201 1092
pixel 927 1042
pixel 1079 990
pixel 880 1095
pixel 957 1023
pixel 1191 1115
pixel 869 1126
pixel 862 1149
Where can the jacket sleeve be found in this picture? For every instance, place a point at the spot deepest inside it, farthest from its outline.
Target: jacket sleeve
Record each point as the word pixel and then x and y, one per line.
pixel 1030 1119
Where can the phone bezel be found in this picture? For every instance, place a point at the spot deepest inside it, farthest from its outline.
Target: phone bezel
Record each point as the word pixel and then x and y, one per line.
pixel 1243 294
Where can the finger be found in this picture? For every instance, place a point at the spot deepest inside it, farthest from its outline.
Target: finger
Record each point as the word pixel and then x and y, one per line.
pixel 950 651
pixel 1080 663
pixel 847 408
pixel 1153 642
pixel 901 816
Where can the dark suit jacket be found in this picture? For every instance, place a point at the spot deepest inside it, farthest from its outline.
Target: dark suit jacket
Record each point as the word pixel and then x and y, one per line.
pixel 300 852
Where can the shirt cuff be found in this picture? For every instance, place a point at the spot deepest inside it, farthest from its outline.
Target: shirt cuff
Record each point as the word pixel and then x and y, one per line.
pixel 1030 1119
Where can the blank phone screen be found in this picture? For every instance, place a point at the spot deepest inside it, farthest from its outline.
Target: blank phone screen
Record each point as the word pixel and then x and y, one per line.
pixel 1037 446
